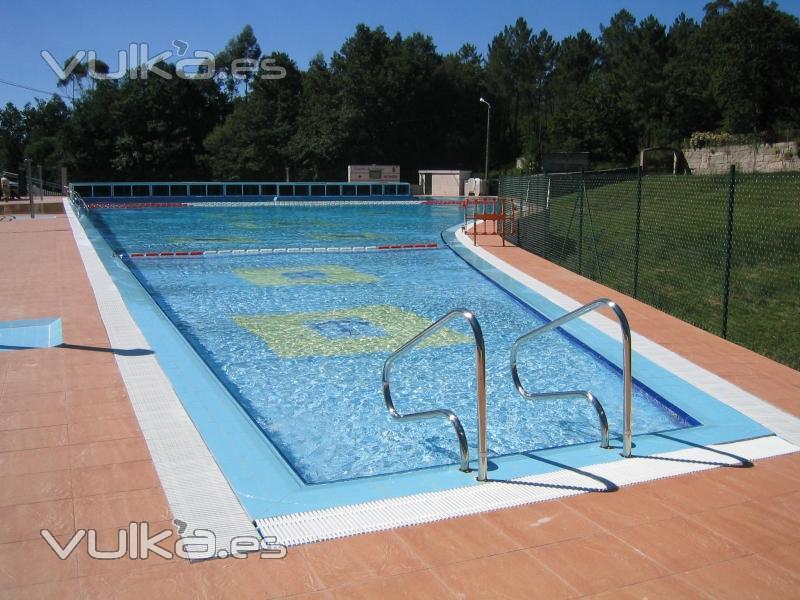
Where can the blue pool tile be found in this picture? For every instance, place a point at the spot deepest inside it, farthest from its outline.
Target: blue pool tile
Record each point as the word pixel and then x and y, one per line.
pixel 30 333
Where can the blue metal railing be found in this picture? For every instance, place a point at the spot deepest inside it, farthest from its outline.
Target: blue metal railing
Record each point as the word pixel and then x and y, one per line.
pixel 133 191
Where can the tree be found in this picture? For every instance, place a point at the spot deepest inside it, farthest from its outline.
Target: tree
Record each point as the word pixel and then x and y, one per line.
pixel 317 144
pixel 242 51
pixel 396 99
pixel 754 50
pixel 253 142
pixel 12 137
pixel 44 123
pixel 75 76
pixel 577 65
pixel 688 101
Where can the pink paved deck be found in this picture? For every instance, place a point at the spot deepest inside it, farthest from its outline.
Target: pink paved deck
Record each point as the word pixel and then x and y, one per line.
pixel 72 456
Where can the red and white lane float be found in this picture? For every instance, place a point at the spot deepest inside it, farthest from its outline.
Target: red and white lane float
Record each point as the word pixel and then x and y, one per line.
pixel 294 250
pixel 105 205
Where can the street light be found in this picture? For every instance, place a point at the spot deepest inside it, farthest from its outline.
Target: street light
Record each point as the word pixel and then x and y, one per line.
pixel 488 117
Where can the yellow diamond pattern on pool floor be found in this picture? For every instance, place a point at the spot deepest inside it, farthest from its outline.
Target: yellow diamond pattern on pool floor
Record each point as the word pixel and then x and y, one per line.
pixel 367 329
pixel 307 275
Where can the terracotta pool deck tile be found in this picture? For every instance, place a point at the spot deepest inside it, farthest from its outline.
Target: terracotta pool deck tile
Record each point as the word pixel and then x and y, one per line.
pixel 695 493
pixel 360 557
pixel 755 526
pixel 52 401
pixel 108 540
pixel 679 544
pixel 108 452
pixel 513 575
pixel 69 589
pixel 78 355
pixel 456 540
pixel 543 523
pixel 409 586
pixel 35 487
pixel 99 410
pixel 253 576
pixel 598 563
pixel 757 483
pixel 118 509
pixel 31 562
pixel 172 580
pixel 85 432
pixel 102 377
pixel 97 395
pixel 40 383
pixel 28 439
pixel 38 460
pixel 748 577
pixel 615 510
pixel 786 506
pixel 114 477
pixel 20 522
pixel 32 419
pixel 787 557
pixel 671 587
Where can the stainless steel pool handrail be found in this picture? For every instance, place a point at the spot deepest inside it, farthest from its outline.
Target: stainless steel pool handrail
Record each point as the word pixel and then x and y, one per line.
pixel 77 200
pixel 626 369
pixel 480 371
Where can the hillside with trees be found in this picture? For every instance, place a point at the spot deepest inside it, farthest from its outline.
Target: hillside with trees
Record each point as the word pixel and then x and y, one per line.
pixel 396 99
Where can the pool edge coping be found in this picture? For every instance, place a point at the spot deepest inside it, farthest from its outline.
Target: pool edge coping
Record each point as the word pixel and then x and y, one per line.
pixel 197 491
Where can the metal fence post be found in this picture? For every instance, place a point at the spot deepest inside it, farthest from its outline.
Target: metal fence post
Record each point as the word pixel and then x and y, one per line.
pixel 29 184
pixel 41 184
pixel 637 232
pixel 726 282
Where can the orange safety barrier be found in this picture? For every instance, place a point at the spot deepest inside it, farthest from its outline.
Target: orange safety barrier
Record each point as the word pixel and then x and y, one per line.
pixel 498 215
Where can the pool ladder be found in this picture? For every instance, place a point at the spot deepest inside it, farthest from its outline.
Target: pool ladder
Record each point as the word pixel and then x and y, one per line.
pixel 626 370
pixel 443 413
pixel 480 370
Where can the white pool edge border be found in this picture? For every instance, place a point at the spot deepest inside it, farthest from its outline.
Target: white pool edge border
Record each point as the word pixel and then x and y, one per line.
pixel 355 519
pixel 196 489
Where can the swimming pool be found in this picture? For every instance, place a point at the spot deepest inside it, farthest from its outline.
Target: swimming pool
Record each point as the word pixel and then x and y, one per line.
pixel 299 341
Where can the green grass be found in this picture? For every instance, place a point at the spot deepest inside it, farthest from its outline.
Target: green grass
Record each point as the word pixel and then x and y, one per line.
pixel 682 250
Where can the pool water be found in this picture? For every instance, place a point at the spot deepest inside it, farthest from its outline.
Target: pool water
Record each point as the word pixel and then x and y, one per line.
pixel 222 228
pixel 300 339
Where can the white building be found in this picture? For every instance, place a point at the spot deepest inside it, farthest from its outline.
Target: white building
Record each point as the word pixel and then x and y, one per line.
pixel 442 182
pixel 373 172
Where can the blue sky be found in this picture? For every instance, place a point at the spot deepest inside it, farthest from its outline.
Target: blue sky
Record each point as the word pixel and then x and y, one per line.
pixel 301 28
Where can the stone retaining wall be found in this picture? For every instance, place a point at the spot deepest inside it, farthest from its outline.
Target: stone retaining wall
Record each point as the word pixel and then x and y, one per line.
pixel 763 158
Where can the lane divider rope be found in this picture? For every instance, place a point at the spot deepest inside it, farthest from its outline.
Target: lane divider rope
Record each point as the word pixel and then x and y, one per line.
pixel 293 250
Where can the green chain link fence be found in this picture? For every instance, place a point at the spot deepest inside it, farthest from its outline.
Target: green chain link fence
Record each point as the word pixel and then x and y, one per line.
pixel 719 251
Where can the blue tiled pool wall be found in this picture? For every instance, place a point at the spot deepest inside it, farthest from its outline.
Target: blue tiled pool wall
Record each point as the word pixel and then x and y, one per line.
pixel 238 191
pixel 30 333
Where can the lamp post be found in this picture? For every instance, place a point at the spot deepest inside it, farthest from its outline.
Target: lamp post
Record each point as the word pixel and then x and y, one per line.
pixel 488 117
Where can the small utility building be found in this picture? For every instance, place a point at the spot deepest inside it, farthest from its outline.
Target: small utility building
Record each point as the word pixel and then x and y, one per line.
pixel 433 182
pixel 373 172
